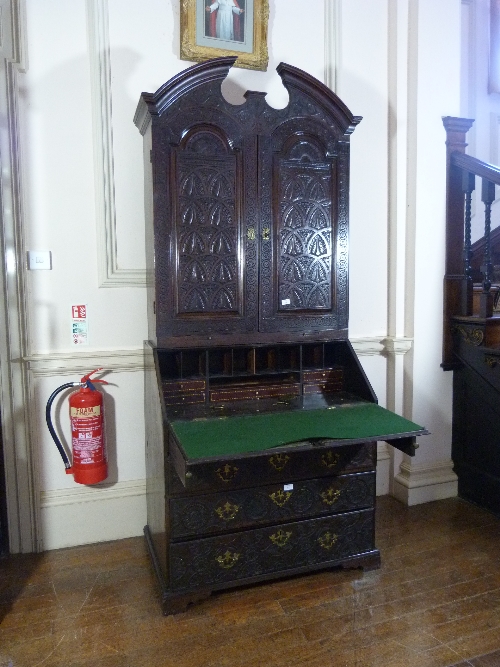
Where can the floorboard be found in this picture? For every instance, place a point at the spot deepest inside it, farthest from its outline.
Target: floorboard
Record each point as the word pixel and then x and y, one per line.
pixel 435 602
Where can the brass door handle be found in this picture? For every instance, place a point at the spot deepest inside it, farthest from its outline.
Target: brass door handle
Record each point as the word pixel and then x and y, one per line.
pixel 266 234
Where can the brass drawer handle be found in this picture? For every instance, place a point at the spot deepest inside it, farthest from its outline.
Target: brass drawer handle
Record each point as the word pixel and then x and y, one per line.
pixel 330 459
pixel 491 361
pixel 330 496
pixel 228 560
pixel 227 511
pixel 280 538
pixel 227 473
pixel 327 540
pixel 280 497
pixel 279 461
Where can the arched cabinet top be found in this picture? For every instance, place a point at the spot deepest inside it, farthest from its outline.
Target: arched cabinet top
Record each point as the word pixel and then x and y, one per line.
pixel 201 84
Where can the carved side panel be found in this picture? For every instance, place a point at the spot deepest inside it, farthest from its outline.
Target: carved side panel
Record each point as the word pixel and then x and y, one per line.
pixel 207 226
pixel 304 236
pixel 298 284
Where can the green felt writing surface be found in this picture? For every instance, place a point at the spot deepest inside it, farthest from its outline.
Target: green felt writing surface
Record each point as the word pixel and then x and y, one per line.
pixel 225 436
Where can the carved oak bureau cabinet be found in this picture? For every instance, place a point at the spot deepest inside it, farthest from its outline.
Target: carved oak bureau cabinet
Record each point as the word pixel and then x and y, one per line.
pixel 261 425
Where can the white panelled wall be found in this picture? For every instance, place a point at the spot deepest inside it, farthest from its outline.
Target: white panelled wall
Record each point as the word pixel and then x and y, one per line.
pixel 73 95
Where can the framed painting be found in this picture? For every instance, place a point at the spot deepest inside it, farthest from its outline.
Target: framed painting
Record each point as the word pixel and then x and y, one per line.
pixel 214 28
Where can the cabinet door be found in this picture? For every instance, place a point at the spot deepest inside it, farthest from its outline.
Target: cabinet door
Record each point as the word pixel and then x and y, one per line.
pixel 212 249
pixel 303 238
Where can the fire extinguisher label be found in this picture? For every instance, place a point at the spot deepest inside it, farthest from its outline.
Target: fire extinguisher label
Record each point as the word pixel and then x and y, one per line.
pixel 86 413
pixel 87 435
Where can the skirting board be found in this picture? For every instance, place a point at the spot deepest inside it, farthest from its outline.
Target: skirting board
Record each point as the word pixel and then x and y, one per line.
pixel 85 515
pixel 414 485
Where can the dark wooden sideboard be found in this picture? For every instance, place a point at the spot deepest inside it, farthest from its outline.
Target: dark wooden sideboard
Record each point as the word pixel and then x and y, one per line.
pixel 261 424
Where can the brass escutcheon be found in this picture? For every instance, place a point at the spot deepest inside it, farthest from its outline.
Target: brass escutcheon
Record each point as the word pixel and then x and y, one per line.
pixel 227 473
pixel 280 497
pixel 251 234
pixel 227 512
pixel 327 540
pixel 266 234
pixel 330 496
pixel 228 560
pixel 330 459
pixel 279 461
pixel 280 538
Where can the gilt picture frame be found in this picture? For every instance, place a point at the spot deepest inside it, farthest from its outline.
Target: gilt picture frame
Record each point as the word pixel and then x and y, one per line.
pixel 214 28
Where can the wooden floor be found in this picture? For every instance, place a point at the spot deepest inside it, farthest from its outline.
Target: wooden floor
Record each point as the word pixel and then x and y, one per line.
pixel 435 602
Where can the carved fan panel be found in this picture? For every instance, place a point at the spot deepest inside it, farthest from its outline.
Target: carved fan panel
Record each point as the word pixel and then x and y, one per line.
pixel 304 236
pixel 207 232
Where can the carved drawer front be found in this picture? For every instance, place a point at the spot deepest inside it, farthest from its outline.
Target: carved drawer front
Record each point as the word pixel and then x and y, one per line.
pixel 185 391
pixel 322 387
pixel 183 385
pixel 227 511
pixel 302 461
pixel 326 375
pixel 283 390
pixel 185 398
pixel 286 548
pixel 328 380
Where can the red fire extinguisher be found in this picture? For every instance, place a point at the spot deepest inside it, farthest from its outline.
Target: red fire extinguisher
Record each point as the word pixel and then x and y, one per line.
pixel 86 411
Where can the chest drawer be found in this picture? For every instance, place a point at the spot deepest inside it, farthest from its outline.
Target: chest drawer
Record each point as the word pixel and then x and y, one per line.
pixel 230 510
pixel 289 548
pixel 322 387
pixel 305 461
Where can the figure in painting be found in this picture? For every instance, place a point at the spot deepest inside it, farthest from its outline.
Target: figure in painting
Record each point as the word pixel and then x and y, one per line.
pixel 224 20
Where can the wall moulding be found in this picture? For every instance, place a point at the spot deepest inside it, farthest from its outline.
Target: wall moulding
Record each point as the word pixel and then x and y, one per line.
pixel 130 359
pixel 72 363
pixel 110 273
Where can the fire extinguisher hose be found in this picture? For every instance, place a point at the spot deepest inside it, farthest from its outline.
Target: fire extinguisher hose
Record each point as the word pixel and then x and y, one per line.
pixel 48 419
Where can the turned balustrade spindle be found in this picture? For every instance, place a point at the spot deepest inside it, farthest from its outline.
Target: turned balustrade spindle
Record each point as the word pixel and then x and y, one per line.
pixel 488 197
pixel 468 186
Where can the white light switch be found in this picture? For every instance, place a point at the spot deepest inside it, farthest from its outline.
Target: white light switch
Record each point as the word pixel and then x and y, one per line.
pixel 39 259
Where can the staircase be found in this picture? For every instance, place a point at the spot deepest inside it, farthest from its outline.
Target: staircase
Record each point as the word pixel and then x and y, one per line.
pixel 471 331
